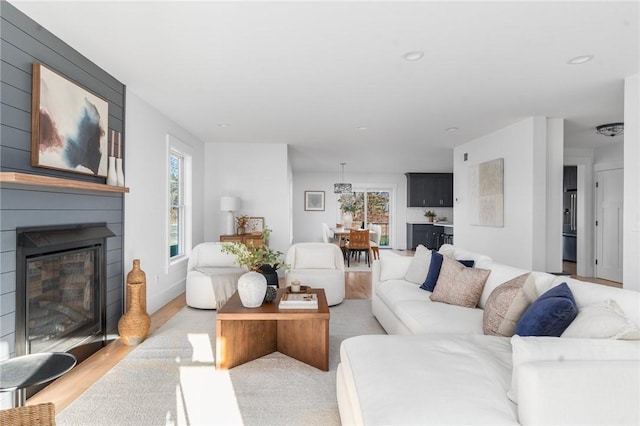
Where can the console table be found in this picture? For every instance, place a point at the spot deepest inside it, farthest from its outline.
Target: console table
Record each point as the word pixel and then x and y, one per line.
pixel 249 240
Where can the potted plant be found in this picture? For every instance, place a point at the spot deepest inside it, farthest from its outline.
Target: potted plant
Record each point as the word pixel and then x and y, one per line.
pixel 430 214
pixel 262 263
pixel 255 257
pixel 348 208
pixel 241 222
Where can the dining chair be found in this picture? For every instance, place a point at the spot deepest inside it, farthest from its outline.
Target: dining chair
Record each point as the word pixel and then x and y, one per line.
pixel 327 234
pixel 376 235
pixel 358 243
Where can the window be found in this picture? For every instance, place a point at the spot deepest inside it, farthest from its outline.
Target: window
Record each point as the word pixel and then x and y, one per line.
pixel 371 207
pixel 176 204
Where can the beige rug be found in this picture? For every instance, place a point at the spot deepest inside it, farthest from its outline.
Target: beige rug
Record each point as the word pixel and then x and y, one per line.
pixel 170 379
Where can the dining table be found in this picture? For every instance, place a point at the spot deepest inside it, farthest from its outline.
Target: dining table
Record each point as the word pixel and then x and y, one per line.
pixel 341 234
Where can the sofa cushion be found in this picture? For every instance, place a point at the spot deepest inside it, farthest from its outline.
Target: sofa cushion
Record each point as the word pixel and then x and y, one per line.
pixel 315 258
pixel 603 320
pixel 520 304
pixel 434 271
pixel 459 285
pixel 465 382
pixel 550 314
pixel 427 317
pixel 499 302
pixel 531 349
pixel 419 266
pixel 393 291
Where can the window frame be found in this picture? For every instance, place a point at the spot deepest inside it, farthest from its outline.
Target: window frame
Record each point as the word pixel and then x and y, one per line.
pixel 178 149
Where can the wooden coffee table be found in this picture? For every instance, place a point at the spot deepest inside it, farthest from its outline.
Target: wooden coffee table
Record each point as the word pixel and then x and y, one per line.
pixel 244 334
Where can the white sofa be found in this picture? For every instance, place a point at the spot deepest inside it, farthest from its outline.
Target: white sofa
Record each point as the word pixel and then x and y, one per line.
pixel 438 367
pixel 212 276
pixel 317 265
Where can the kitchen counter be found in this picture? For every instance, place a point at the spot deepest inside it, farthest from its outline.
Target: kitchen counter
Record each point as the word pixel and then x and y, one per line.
pixel 445 224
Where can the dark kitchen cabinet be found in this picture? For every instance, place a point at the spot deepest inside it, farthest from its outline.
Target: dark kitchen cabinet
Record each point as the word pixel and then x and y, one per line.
pixel 430 236
pixel 429 189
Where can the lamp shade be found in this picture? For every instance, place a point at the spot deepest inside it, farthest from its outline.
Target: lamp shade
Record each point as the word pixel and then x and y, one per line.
pixel 230 204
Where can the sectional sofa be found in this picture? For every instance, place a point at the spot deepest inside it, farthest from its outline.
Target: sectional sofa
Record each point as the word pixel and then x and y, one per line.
pixel 458 361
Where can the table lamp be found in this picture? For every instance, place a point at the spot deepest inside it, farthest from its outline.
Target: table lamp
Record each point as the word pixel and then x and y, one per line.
pixel 230 204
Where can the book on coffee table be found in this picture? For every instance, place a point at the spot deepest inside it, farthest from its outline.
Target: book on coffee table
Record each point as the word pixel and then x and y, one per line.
pixel 299 301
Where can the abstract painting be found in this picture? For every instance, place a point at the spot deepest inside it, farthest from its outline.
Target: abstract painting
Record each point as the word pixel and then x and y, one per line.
pixel 314 201
pixel 486 193
pixel 68 125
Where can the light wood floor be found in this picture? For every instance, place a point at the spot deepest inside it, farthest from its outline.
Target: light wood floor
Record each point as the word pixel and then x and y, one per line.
pixel 65 390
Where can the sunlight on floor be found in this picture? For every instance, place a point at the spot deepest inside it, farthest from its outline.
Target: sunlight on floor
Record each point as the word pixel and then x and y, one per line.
pixel 205 396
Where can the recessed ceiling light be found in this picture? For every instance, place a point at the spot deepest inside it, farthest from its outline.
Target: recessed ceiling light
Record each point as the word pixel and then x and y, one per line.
pixel 223 125
pixel 362 128
pixel 580 59
pixel 452 129
pixel 413 56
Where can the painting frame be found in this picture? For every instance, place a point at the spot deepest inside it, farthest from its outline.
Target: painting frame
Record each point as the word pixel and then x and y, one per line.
pixel 486 193
pixel 314 201
pixel 255 225
pixel 69 125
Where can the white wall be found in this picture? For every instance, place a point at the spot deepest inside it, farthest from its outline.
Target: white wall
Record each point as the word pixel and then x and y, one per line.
pixel 631 212
pixel 610 156
pixel 307 225
pixel 259 175
pixel 523 240
pixel 146 206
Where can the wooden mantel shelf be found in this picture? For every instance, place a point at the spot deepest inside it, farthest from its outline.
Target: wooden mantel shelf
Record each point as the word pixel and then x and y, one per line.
pixel 39 180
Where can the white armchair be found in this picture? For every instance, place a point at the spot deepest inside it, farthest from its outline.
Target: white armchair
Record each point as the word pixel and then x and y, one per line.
pixel 212 276
pixel 318 265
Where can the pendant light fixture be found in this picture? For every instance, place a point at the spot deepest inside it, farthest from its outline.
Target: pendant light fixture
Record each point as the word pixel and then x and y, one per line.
pixel 611 129
pixel 342 187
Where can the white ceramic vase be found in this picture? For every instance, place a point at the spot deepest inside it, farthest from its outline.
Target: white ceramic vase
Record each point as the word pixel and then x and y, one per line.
pixel 112 178
pixel 252 288
pixel 119 172
pixel 347 219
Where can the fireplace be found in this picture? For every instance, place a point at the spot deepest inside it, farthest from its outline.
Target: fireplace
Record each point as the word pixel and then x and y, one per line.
pixel 60 289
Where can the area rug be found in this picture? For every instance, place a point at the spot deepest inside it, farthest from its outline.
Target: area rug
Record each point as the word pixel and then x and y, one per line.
pixel 170 379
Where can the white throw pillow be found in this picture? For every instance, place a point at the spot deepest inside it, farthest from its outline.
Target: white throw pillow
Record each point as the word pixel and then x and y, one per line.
pixel 604 320
pixel 531 349
pixel 315 258
pixel 419 266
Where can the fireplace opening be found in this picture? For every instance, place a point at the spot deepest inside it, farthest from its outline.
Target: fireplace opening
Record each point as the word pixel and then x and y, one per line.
pixel 61 289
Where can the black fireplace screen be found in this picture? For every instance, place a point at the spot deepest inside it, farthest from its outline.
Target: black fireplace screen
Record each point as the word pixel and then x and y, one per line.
pixel 61 288
pixel 62 299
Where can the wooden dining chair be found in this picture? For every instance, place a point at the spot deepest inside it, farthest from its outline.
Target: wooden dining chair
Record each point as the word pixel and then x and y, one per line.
pixel 357 244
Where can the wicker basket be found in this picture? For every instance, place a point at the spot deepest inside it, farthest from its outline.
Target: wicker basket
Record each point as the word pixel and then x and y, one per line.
pixel 31 415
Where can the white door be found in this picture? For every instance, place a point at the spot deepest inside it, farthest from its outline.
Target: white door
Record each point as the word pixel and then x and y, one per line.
pixel 609 196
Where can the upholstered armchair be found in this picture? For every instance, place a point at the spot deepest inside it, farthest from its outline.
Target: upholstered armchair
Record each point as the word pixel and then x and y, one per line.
pixel 212 276
pixel 317 265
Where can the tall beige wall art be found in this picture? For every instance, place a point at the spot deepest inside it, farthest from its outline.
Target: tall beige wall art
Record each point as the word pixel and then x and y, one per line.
pixel 486 193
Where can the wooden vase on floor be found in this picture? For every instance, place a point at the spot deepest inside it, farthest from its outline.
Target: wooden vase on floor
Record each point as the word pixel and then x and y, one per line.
pixel 134 325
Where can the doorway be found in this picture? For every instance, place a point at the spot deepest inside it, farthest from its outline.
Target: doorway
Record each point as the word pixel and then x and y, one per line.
pixel 609 225
pixel 372 208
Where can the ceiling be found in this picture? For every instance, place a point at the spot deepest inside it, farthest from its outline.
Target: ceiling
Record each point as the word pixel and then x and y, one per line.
pixel 329 78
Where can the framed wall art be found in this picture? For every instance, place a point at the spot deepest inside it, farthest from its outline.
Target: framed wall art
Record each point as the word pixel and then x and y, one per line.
pixel 486 193
pixel 314 201
pixel 68 125
pixel 255 225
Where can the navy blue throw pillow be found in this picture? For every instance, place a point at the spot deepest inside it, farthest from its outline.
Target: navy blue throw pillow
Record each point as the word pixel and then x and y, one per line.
pixel 434 271
pixel 468 263
pixel 550 314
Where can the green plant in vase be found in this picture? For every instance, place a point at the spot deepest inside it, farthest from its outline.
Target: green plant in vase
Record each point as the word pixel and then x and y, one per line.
pixel 431 215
